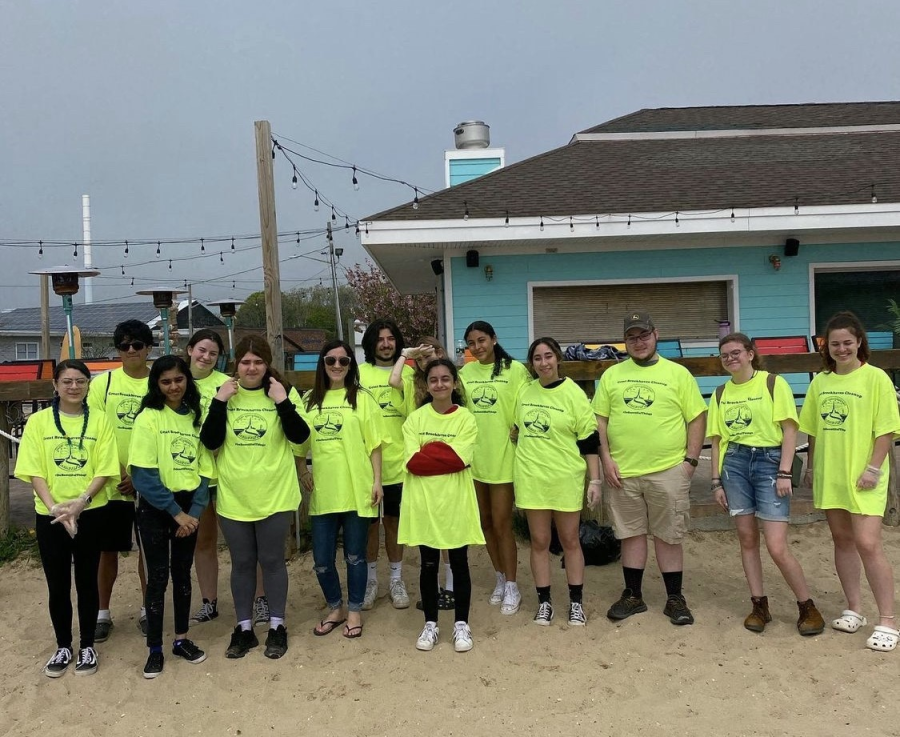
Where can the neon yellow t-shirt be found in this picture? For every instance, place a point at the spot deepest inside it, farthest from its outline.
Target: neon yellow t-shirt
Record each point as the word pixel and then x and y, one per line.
pixel 648 408
pixel 409 392
pixel 549 469
pixel 169 442
pixel 440 511
pixel 257 476
pixel 493 402
pixel 341 443
pixel 118 396
pixel 749 416
pixel 393 413
pixel 66 465
pixel 208 388
pixel 845 413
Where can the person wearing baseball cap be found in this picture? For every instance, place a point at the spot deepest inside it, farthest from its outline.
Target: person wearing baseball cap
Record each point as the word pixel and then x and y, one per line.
pixel 652 421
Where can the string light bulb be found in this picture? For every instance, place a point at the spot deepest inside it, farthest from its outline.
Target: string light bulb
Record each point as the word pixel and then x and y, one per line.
pixel 75 252
pixel 333 214
pixel 416 199
pixel 874 196
pixel 732 214
pixel 232 244
pixel 346 223
pixel 367 229
pixel 41 249
pixel 170 264
pixel 357 228
pixel 629 221
pixel 355 181
pixel 677 223
pixel 506 222
pixel 542 223
pixel 126 249
pixel 796 205
pixel 158 251
pixel 571 225
pixel 597 220
pixel 316 202
pixel 466 213
pixel 202 247
pixel 298 236
pixel 123 269
pixel 132 281
pixel 221 258
pixel 294 180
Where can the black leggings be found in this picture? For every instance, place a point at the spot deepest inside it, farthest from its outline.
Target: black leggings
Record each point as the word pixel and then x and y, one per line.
pixel 164 552
pixel 58 551
pixel 428 581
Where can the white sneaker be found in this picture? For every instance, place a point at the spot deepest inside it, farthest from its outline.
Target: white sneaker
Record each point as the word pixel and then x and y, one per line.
pixel 371 594
pixel 429 637
pixel 512 599
pixel 544 614
pixel 577 617
pixel 462 637
pixel 497 594
pixel 399 597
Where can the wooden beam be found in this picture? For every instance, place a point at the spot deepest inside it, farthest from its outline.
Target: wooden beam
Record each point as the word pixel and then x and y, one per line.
pixel 269 233
pixel 4 470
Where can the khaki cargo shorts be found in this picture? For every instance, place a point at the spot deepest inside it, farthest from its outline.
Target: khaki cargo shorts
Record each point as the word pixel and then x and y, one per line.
pixel 657 503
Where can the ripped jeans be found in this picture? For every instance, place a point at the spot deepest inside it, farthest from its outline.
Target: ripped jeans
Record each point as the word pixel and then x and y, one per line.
pixel 324 546
pixel 748 476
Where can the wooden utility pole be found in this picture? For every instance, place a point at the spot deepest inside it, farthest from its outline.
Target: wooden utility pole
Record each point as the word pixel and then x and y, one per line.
pixel 4 468
pixel 45 317
pixel 269 233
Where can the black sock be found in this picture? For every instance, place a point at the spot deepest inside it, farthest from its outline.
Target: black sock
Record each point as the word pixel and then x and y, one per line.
pixel 575 592
pixel 633 579
pixel 672 581
pixel 543 593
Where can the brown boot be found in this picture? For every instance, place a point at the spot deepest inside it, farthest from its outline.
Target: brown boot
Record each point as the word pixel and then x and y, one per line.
pixel 810 621
pixel 756 620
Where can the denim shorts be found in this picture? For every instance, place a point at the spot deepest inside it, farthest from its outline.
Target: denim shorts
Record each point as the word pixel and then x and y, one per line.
pixel 749 479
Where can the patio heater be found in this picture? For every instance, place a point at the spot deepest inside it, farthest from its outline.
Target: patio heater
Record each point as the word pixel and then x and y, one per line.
pixel 163 298
pixel 228 309
pixel 64 280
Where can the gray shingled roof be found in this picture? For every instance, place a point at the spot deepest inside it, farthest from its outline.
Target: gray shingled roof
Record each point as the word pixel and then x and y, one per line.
pixel 96 319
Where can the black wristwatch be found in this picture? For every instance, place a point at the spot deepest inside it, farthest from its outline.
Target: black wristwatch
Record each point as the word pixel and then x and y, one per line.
pixel 693 461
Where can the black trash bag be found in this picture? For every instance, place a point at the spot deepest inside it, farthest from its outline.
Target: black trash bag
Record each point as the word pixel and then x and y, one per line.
pixel 598 544
pixel 581 352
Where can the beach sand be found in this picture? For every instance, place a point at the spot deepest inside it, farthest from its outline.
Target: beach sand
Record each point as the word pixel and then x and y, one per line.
pixel 641 676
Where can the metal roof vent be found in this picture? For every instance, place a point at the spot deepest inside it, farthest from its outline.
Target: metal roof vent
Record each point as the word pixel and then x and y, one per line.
pixel 472 134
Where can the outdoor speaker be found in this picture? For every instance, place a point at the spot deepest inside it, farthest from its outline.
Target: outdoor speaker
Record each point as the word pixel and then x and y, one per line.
pixel 791 247
pixel 472 259
pixel 437 266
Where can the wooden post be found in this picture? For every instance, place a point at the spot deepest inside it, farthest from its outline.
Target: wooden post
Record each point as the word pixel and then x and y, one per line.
pixel 892 508
pixel 4 469
pixel 269 233
pixel 45 317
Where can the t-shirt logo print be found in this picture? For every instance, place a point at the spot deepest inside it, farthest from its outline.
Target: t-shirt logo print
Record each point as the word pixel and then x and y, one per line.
pixel 183 452
pixel 484 396
pixel 738 418
pixel 127 410
pixel 537 421
pixel 384 398
pixel 328 423
pixel 834 411
pixel 638 395
pixel 69 457
pixel 250 426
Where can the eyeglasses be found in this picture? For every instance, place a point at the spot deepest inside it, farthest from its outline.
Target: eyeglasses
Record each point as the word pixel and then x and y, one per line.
pixel 343 360
pixel 80 383
pixel 642 338
pixel 731 354
pixel 137 345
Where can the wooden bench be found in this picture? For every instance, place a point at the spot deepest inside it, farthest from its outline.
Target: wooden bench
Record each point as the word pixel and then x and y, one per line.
pixel 782 345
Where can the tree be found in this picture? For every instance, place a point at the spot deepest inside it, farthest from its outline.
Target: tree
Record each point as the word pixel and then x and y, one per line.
pixel 416 315
pixel 306 307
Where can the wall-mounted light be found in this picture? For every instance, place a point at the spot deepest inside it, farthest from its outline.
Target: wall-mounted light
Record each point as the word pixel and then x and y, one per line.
pixel 775 260
pixel 488 272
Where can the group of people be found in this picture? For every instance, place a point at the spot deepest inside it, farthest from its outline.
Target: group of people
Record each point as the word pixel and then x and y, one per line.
pixel 439 456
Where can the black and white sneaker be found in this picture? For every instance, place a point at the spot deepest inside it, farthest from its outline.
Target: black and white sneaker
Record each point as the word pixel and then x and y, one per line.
pixel 189 651
pixel 261 611
pixel 154 665
pixel 276 642
pixel 544 614
pixel 59 663
pixel 86 663
pixel 207 612
pixel 577 617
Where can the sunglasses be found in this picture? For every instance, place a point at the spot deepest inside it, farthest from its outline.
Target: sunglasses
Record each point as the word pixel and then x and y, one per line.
pixel 137 345
pixel 342 360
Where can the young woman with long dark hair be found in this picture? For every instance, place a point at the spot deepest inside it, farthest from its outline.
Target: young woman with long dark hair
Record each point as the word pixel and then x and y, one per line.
pixel 346 486
pixel 67 454
pixel 492 383
pixel 171 471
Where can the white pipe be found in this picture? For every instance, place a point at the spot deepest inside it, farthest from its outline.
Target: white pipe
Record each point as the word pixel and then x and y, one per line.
pixel 86 239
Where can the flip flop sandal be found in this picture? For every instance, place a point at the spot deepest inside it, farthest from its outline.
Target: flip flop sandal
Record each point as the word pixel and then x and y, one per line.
pixel 849 621
pixel 883 639
pixel 327 626
pixel 351 633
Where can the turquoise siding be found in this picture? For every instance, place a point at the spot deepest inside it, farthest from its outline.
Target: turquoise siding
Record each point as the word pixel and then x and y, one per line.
pixel 463 170
pixel 770 303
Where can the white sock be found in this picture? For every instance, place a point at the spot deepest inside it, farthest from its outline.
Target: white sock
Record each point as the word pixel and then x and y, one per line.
pixel 245 625
pixel 448 577
pixel 501 577
pixel 143 611
pixel 274 622
pixel 372 570
pixel 396 571
pixel 104 616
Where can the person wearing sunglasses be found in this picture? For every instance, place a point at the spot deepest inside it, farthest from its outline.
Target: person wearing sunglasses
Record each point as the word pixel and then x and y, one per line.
pixel 345 446
pixel 253 422
pixel 117 394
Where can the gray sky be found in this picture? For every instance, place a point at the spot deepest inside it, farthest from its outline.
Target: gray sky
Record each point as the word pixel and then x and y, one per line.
pixel 149 107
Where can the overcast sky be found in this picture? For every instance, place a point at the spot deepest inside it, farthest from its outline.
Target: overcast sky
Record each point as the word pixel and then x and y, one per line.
pixel 149 107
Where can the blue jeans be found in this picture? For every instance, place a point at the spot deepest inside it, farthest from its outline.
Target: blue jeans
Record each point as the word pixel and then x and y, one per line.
pixel 749 479
pixel 324 545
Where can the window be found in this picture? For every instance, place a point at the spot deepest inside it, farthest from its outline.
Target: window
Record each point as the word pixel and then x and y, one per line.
pixel 865 292
pixel 26 351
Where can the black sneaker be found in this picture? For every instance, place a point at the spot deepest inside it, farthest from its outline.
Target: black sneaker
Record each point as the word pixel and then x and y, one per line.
pixel 241 643
pixel 189 651
pixel 86 663
pixel 207 612
pixel 276 642
pixel 58 664
pixel 626 606
pixel 677 610
pixel 101 631
pixel 154 665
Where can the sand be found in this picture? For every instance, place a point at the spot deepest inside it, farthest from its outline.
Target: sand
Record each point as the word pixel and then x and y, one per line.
pixel 642 676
